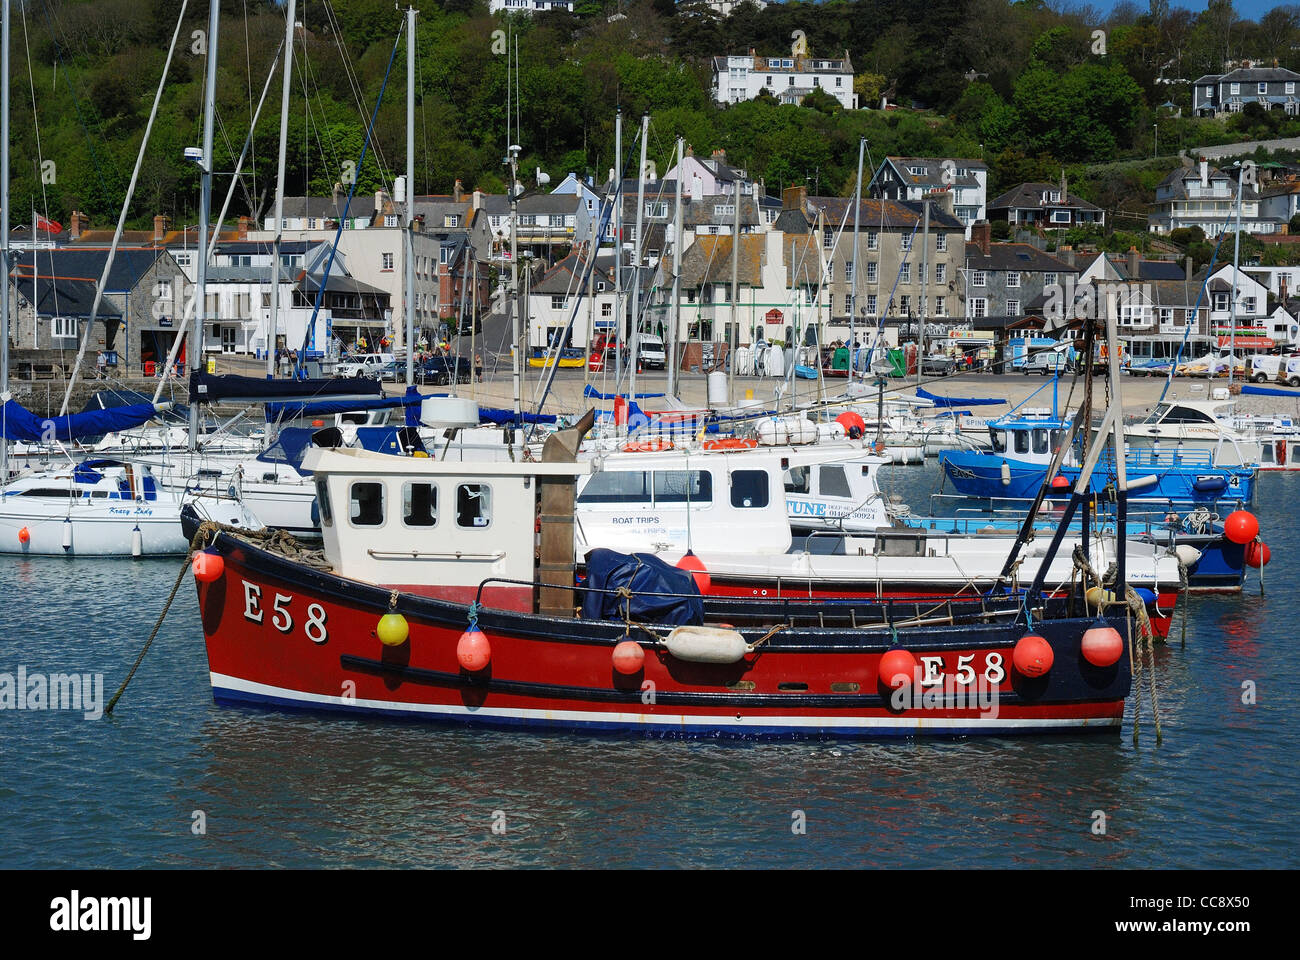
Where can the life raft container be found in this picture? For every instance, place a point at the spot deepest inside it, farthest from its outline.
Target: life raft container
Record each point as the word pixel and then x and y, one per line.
pixel 647 446
pixel 731 443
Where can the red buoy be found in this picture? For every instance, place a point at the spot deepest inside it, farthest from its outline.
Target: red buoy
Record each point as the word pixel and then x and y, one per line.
pixel 629 658
pixel 697 569
pixel 1102 646
pixel 24 536
pixel 852 423
pixel 1241 527
pixel 1060 483
pixel 897 668
pixel 1033 655
pixel 473 652
pixel 208 566
pixel 1257 554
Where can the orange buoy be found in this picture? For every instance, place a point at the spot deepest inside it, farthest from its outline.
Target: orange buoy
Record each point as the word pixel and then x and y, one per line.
pixel 852 423
pixel 1059 482
pixel 897 668
pixel 1241 527
pixel 208 566
pixel 1102 646
pixel 1033 655
pixel 1257 554
pixel 473 651
pixel 629 658
pixel 24 536
pixel 697 569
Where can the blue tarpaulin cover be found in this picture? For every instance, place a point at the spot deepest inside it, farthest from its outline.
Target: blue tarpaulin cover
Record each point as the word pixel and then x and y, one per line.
pixel 19 423
pixel 939 401
pixel 652 583
pixel 590 391
pixel 497 416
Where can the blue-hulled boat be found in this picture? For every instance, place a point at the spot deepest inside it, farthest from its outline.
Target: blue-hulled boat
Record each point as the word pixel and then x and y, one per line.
pixel 1022 446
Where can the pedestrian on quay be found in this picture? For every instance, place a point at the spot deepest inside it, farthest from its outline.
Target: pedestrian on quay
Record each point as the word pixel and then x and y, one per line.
pixel 478 366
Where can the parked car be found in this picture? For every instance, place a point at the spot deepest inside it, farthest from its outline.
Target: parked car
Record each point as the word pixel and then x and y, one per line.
pixel 362 364
pixel 441 370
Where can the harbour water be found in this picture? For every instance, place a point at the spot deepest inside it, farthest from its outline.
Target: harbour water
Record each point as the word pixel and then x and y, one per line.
pixel 171 780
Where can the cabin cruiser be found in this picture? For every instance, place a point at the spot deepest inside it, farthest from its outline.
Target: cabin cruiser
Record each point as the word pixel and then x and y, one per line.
pixel 1188 426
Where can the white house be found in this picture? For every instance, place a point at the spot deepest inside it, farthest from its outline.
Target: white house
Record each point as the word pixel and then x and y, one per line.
pixel 789 79
pixel 529 6
pixel 912 178
pixel 564 288
pixel 1206 197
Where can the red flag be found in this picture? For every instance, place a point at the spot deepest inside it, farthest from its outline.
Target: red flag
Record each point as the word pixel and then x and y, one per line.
pixel 49 226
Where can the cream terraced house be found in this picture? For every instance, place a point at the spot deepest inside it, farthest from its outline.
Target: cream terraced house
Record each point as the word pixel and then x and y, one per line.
pixel 1206 197
pixel 789 79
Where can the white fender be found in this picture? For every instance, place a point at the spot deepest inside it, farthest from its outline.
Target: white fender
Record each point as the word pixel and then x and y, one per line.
pixel 707 644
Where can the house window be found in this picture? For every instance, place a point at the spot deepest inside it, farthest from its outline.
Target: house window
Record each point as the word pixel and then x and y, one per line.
pixel 791 83
pixel 979 307
pixel 872 270
pixel 977 278
pixel 444 255
pixel 1166 316
pixel 557 302
pixel 390 220
pixel 183 259
pixel 848 271
pixel 311 223
pixel 940 272
pixel 905 306
pixel 871 305
pixel 906 240
pixel 1013 308
pixel 1013 279
pixel 528 220
pixel 1234 88
pixel 1055 196
pixel 607 309
pixel 941 242
pixel 769 81
pixel 1262 89
pixel 1290 86
pixel 656 209
pixel 941 306
pixel 1248 304
pixel 1060 216
pixel 723 209
pixel 828 238
pixel 873 240
pixel 451 220
pixel 1049 279
pixel 905 274
pixel 1220 302
pixel 916 171
pixel 64 328
pixel 830 271
pixel 386 261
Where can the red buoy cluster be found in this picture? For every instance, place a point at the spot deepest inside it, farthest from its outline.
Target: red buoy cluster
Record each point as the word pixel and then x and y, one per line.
pixel 1242 528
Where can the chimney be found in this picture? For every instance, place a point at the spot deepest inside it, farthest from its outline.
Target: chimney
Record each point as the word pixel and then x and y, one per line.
pixel 458 192
pixel 1066 253
pixel 1205 172
pixel 1131 263
pixel 159 228
pixel 942 200
pixel 338 195
pixel 981 234
pixel 477 202
pixel 244 223
pixel 1187 267
pixel 80 223
pixel 690 151
pixel 794 198
pixel 720 156
pixel 380 199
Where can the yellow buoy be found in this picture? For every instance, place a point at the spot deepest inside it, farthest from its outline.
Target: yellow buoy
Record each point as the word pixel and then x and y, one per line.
pixel 392 630
pixel 1097 597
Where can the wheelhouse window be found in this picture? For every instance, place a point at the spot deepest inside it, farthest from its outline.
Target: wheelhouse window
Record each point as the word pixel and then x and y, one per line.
pixel 796 480
pixel 831 482
pixel 999 440
pixel 1040 441
pixel 1021 440
pixel 419 504
pixel 367 504
pixel 323 503
pixel 682 486
pixel 749 489
pixel 473 505
pixel 617 486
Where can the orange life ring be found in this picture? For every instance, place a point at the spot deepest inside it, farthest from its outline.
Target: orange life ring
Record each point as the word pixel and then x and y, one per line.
pixel 731 443
pixel 647 446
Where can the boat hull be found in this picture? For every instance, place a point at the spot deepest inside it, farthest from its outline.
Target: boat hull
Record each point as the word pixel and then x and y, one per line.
pixel 282 634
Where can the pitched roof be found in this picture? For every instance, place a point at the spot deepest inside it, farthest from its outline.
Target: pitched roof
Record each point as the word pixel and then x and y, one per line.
pixel 565 278
pixel 1020 257
pixel 708 260
pixel 898 214
pixel 61 296
pixel 129 266
pixel 1031 195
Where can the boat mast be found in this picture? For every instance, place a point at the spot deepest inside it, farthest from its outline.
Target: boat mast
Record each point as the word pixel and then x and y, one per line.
pixel 733 328
pixel 618 246
pixel 4 233
pixel 516 359
pixel 272 320
pixel 925 266
pixel 853 291
pixel 635 346
pixel 677 276
pixel 410 203
pixel 1236 259
pixel 205 203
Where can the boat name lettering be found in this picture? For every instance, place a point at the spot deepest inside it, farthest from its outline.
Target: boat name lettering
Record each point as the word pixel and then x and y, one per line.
pixel 314 626
pixel 805 508
pixel 628 521
pixel 932 673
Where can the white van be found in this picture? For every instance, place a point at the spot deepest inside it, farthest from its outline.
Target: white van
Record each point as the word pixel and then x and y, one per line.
pixel 1290 374
pixel 363 365
pixel 652 352
pixel 1263 368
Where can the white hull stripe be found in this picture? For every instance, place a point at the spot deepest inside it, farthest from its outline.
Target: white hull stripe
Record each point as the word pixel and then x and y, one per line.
pixel 915 721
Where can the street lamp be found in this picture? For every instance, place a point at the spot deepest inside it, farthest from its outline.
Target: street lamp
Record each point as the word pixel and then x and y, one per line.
pixel 1155 150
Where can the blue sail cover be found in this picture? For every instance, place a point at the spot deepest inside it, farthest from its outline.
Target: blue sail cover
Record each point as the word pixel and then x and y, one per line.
pixel 648 578
pixel 589 391
pixel 19 423
pixel 293 409
pixel 213 388
pixel 939 401
pixel 501 417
